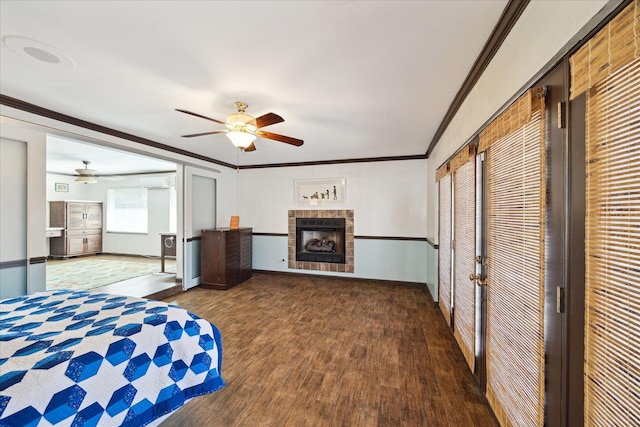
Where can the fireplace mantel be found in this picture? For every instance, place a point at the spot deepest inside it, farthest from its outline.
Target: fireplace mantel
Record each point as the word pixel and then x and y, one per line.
pixel 347 267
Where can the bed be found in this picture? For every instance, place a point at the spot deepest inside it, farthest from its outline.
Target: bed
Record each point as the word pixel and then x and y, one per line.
pixel 76 358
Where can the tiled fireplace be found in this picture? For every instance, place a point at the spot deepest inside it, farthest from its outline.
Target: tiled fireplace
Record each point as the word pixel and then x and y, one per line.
pixel 321 240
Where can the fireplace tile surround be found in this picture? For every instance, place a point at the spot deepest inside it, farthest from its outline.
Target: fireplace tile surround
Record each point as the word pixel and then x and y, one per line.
pixel 347 267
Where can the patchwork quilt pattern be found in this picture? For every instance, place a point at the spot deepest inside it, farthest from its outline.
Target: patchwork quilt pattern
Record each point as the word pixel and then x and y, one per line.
pixel 76 358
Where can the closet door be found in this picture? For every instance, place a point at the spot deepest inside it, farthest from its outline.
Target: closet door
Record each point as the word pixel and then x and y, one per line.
pixel 13 220
pixel 200 209
pixel 515 365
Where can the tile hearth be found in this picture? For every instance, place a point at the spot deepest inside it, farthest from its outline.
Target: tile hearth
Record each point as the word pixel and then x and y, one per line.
pixel 347 267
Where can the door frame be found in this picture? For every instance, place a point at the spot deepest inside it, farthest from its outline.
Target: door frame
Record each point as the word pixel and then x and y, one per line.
pixel 575 275
pixel 481 269
pixel 556 83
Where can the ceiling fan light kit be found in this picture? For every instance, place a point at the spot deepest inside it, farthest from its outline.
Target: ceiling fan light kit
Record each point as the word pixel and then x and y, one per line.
pixel 243 129
pixel 86 179
pixel 241 139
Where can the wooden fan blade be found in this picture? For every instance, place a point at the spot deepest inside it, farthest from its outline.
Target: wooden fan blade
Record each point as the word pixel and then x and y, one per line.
pixel 281 138
pixel 200 115
pixel 204 133
pixel 268 119
pixel 251 147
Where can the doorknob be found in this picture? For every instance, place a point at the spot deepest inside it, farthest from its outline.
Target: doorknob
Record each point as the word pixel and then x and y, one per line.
pixel 480 281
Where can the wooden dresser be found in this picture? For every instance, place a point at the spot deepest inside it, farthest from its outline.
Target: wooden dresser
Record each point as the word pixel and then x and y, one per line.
pixel 225 257
pixel 81 224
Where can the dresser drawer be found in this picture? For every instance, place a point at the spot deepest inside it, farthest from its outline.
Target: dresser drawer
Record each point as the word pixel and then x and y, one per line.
pixel 83 232
pixel 53 232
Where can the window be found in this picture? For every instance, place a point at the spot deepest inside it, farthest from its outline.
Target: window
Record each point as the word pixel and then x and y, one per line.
pixel 127 210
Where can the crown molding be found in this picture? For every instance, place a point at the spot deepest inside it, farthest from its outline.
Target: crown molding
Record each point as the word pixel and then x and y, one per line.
pixel 508 19
pixel 45 112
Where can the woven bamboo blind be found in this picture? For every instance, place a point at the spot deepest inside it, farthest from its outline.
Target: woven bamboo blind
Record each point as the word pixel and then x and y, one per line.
pixel 608 51
pixel 464 230
pixel 513 118
pixel 442 171
pixel 463 157
pixel 612 293
pixel 515 270
pixel 444 249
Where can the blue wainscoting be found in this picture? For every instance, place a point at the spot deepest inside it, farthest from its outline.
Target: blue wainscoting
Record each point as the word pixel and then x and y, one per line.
pixel 389 259
pixel 432 269
pixel 13 279
pixel 192 274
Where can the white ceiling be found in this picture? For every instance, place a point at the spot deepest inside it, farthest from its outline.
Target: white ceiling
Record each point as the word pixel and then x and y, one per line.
pixel 353 79
pixel 65 155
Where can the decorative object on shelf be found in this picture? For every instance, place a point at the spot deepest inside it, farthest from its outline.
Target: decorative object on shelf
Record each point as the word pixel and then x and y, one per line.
pixel 320 191
pixel 86 176
pixel 235 222
pixel 243 129
pixel 62 187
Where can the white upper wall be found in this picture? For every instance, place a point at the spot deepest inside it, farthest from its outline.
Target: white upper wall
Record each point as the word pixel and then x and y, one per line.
pixel 388 198
pixel 544 28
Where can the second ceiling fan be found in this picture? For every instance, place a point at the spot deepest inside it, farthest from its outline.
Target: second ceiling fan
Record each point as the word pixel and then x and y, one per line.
pixel 243 129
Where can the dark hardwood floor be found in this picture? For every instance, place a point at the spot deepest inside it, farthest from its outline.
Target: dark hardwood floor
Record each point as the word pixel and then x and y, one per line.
pixel 307 351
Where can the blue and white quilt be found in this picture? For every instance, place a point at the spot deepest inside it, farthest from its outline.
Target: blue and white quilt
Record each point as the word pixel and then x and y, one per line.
pixel 72 358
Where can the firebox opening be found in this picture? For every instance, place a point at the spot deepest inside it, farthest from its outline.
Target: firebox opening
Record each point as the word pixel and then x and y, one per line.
pixel 320 240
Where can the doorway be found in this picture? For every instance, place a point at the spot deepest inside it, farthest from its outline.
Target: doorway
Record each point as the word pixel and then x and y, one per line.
pixel 521 341
pixel 134 252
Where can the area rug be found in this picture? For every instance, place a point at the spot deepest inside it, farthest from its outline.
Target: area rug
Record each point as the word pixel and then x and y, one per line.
pixel 90 273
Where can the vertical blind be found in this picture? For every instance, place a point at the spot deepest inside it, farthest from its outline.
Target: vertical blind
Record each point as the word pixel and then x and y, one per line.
pixel 607 68
pixel 444 248
pixel 612 318
pixel 515 255
pixel 464 253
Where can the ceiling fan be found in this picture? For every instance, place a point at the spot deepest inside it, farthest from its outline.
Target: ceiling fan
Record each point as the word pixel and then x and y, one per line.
pixel 86 176
pixel 243 129
pixel 90 176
